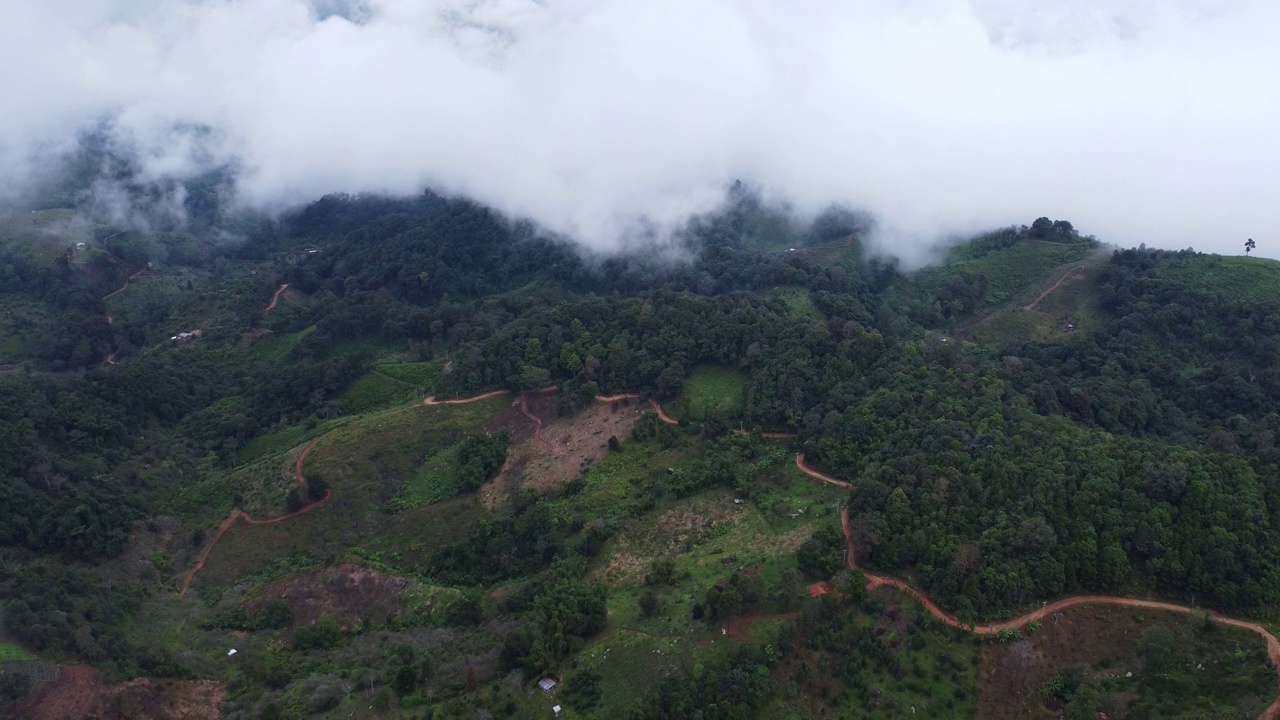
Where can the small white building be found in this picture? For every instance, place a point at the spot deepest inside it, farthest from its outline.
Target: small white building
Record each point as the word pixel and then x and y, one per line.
pixel 555 710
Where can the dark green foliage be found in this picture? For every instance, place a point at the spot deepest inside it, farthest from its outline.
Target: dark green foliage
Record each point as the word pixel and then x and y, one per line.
pixel 823 554
pixel 564 612
pixel 275 614
pixel 294 500
pixel 325 634
pixel 13 687
pixel 316 487
pixel 582 690
pixel 480 457
pixel 739 687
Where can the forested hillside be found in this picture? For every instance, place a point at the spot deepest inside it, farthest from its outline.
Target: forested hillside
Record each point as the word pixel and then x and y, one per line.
pixel 1031 417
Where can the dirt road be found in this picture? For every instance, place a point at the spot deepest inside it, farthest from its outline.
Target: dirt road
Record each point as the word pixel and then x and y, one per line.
pixel 239 514
pixel 817 475
pixel 537 421
pixel 463 401
pixel 662 415
pixel 274 298
pixel 875 581
pixel 616 398
pixel 128 280
pixel 1049 290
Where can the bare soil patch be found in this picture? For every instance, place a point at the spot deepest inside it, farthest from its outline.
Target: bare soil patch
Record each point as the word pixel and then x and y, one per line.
pixel 74 694
pixel 164 699
pixel 671 534
pixel 569 444
pixel 348 592
pixel 513 422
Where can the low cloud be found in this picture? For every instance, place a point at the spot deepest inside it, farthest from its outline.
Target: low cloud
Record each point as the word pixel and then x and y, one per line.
pixel 1140 121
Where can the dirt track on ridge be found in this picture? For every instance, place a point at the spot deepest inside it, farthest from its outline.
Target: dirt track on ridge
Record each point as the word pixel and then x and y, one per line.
pixel 875 581
pixel 128 280
pixel 274 298
pixel 1049 290
pixel 463 401
pixel 239 514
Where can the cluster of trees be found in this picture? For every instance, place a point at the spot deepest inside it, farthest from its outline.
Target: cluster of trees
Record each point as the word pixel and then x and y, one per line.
pixel 480 457
pixel 563 612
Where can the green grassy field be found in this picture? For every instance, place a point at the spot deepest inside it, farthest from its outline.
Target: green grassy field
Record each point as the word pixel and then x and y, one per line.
pixel 277 348
pixel 799 301
pixel 1233 279
pixel 433 481
pixel 10 652
pixel 285 438
pixel 389 384
pixel 1015 273
pixel 365 462
pixel 708 390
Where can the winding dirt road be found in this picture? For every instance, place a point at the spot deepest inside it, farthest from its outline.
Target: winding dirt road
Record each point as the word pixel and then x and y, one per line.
pixel 239 514
pixel 875 581
pixel 128 280
pixel 274 298
pixel 537 421
pixel 662 415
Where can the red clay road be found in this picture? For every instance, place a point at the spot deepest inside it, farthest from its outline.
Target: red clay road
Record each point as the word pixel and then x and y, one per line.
pixel 462 401
pixel 657 407
pixel 274 298
pixel 128 280
pixel 1049 291
pixel 817 475
pixel 661 415
pixel 874 581
pixel 537 421
pixel 239 514
pixel 616 398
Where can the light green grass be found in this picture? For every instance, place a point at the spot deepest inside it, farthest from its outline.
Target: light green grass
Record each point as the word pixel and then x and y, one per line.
pixel 423 375
pixel 277 348
pixel 1015 272
pixel 435 480
pixel 709 390
pixel 631 666
pixel 283 439
pixel 375 390
pixel 1231 279
pixel 608 489
pixel 259 488
pixel 1074 302
pixel 10 653
pixel 799 301
pixel 365 462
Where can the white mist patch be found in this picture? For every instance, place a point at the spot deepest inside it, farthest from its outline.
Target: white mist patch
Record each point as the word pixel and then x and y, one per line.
pixel 1139 121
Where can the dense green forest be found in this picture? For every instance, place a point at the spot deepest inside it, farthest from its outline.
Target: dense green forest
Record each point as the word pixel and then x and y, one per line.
pixel 1121 439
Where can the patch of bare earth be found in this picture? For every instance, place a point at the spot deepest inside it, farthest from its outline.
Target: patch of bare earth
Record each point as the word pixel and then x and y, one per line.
pixel 673 533
pixel 73 695
pixel 1010 675
pixel 348 592
pixel 569 445
pixel 162 699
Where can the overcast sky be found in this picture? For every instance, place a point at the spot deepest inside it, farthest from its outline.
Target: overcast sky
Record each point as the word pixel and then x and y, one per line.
pixel 1141 121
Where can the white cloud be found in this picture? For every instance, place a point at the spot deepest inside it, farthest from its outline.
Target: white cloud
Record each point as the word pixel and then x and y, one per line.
pixel 1139 121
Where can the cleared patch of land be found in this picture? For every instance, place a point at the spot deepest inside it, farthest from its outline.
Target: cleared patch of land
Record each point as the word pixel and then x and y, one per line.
pixel 1222 672
pixel 708 390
